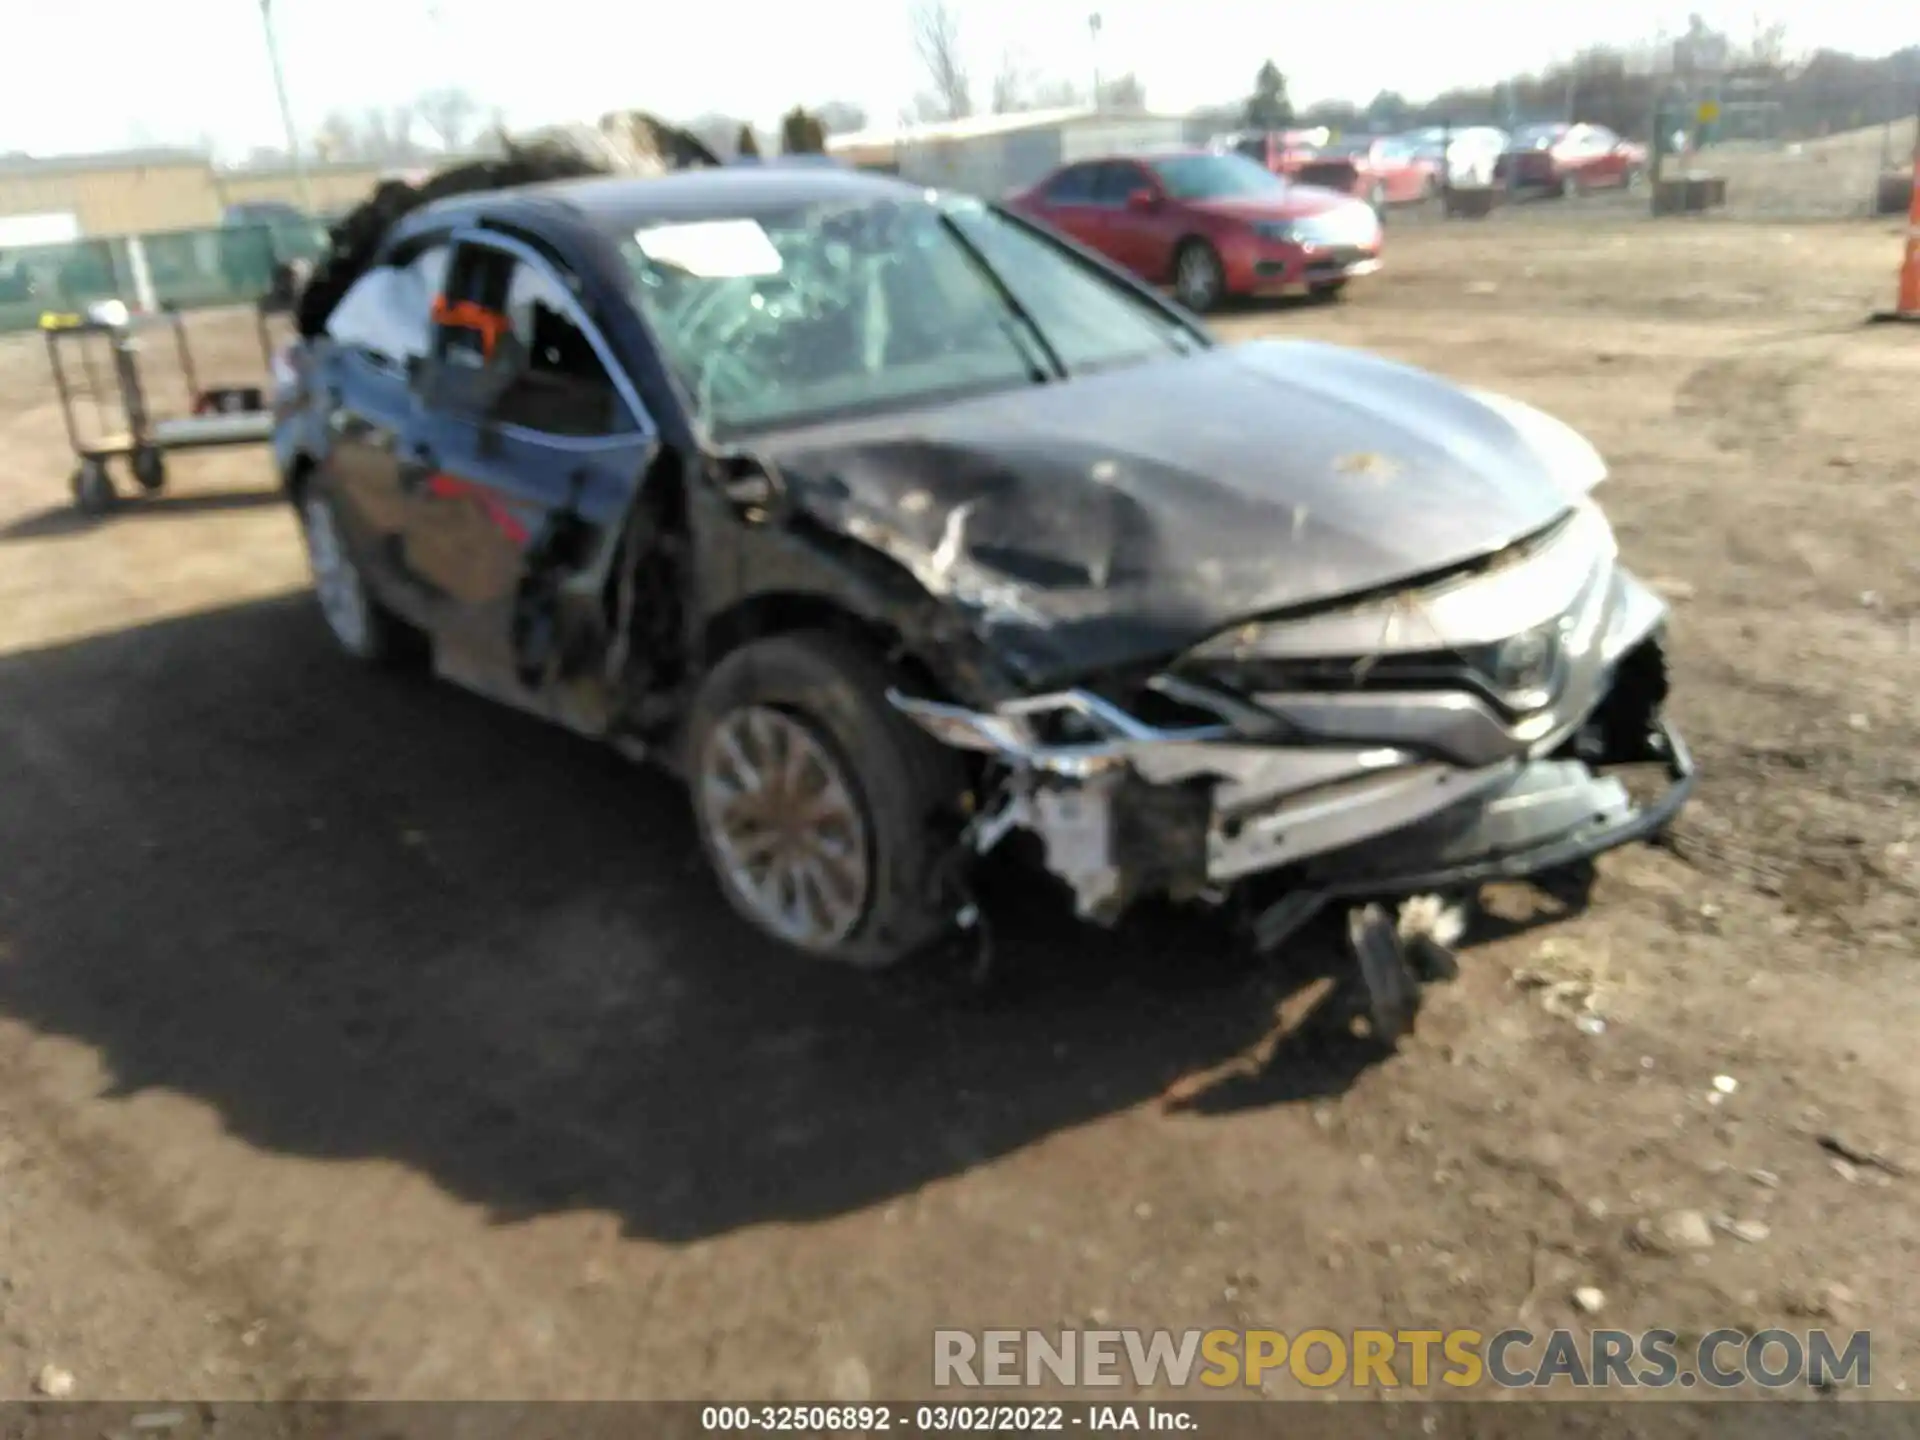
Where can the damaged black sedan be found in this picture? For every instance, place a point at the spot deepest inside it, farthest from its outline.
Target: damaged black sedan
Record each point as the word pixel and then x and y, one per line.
pixel 897 524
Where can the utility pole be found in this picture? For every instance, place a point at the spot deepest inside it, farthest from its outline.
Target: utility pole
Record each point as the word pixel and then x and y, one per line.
pixel 1093 33
pixel 294 152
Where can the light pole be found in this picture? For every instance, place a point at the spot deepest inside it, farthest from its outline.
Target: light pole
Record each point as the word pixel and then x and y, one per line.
pixel 294 152
pixel 1093 35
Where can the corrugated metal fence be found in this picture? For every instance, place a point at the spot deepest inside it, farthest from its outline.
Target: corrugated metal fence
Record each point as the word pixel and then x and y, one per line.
pixel 184 268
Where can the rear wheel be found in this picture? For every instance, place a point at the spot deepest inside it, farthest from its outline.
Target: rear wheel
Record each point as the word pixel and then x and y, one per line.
pixel 824 813
pixel 1199 280
pixel 1377 198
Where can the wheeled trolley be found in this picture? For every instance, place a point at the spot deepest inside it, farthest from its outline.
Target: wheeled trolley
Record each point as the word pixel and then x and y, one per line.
pixel 97 358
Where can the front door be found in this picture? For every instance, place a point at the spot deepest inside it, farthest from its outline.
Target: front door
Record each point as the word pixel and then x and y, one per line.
pixel 521 470
pixel 379 327
pixel 1135 238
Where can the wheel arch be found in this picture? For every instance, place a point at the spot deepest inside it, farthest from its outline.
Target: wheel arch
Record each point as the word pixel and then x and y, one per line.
pixel 785 612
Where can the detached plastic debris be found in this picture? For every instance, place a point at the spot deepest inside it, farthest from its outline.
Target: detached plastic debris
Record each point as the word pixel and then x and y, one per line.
pixel 1393 989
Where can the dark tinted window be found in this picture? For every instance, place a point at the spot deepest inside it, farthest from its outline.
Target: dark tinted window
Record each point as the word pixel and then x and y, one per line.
pixel 1117 180
pixel 1073 186
pixel 1254 147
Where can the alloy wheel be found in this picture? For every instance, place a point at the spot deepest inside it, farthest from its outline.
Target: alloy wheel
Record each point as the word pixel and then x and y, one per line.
pixel 786 827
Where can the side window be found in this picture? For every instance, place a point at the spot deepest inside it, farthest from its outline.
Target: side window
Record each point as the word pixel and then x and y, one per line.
pixel 469 314
pixel 562 387
pixel 1111 185
pixel 1600 139
pixel 1118 180
pixel 1072 186
pixel 385 316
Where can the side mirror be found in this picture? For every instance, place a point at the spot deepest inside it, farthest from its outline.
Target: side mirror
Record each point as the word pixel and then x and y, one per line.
pixel 754 491
pixel 1143 199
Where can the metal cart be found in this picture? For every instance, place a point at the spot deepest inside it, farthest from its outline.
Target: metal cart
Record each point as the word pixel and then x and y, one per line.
pixel 96 359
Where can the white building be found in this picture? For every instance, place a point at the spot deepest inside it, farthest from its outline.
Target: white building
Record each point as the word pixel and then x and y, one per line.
pixel 993 155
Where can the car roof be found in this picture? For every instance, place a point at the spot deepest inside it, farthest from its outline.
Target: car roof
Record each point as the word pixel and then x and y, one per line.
pixel 620 203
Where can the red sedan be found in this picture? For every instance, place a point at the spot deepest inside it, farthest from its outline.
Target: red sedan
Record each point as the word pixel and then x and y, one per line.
pixel 1209 225
pixel 1382 171
pixel 1563 159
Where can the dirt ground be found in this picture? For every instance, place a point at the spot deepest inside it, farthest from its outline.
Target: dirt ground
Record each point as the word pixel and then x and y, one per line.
pixel 358 1038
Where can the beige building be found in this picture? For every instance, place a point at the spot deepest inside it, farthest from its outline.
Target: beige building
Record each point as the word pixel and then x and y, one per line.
pixel 136 191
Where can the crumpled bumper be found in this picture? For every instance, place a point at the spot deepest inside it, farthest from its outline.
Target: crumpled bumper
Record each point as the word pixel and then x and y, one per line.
pixel 1548 815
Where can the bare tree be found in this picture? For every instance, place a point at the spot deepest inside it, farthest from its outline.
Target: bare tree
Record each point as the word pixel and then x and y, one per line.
pixel 338 138
pixel 450 115
pixel 842 117
pixel 936 38
pixel 1012 86
pixel 1123 93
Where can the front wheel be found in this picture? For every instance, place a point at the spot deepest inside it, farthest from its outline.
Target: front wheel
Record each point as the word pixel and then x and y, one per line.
pixel 1199 280
pixel 358 622
pixel 824 813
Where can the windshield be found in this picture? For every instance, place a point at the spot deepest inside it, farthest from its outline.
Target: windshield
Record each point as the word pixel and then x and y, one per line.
pixel 783 319
pixel 1530 137
pixel 1215 177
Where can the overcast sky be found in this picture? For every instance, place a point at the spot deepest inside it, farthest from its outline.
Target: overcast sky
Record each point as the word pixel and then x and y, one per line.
pixel 94 74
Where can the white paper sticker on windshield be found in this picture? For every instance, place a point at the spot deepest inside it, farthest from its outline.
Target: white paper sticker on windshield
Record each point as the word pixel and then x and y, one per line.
pixel 712 249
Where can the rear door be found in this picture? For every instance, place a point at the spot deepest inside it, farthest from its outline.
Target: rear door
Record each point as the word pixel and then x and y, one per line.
pixel 1069 204
pixel 380 327
pixel 521 470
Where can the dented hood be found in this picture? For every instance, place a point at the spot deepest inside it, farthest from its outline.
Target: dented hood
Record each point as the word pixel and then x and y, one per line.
pixel 1119 518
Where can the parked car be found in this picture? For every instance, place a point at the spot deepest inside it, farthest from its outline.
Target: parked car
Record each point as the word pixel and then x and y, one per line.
pixel 1467 155
pixel 894 524
pixel 1209 225
pixel 1282 152
pixel 1382 170
pixel 1561 159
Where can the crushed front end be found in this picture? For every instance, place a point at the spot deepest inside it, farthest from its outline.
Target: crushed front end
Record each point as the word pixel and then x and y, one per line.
pixel 1464 730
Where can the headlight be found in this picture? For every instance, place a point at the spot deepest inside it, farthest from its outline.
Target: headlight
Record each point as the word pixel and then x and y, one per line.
pixel 1562 449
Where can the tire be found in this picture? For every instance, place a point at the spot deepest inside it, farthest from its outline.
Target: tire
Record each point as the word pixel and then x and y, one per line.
pixel 360 625
pixel 93 492
pixel 149 468
pixel 1326 293
pixel 1199 279
pixel 904 791
pixel 1377 198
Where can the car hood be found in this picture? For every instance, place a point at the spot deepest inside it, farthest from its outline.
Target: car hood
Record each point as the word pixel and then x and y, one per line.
pixel 1296 202
pixel 1119 518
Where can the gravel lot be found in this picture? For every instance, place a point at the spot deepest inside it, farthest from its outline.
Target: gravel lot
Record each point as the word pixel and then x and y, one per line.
pixel 358 1038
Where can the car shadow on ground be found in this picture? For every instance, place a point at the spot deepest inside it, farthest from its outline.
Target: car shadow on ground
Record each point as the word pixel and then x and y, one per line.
pixel 61 520
pixel 364 914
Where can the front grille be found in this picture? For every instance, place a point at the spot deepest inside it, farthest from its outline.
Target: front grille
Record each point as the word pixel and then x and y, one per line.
pixel 1338 257
pixel 1352 227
